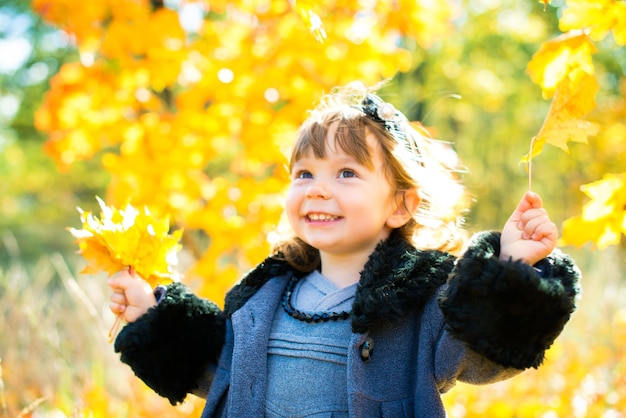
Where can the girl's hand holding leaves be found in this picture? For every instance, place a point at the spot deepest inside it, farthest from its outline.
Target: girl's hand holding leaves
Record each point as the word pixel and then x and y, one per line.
pixel 132 296
pixel 128 239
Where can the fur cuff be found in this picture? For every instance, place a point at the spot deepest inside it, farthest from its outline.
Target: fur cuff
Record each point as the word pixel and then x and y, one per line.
pixel 170 346
pixel 508 311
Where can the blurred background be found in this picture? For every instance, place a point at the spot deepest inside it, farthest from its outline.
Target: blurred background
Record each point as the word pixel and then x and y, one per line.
pixel 190 106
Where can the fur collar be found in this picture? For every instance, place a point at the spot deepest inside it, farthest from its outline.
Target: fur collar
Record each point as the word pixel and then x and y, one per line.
pixel 396 280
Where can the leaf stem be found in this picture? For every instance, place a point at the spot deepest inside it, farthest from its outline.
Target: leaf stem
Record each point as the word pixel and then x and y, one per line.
pixel 115 328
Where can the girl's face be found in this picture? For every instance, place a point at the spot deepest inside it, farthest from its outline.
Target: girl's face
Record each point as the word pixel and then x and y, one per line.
pixel 338 205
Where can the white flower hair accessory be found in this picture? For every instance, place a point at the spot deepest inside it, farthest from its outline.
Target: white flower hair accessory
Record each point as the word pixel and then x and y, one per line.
pixel 393 120
pixel 387 112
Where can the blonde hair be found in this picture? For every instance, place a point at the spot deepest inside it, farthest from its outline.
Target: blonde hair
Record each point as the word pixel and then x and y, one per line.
pixel 412 161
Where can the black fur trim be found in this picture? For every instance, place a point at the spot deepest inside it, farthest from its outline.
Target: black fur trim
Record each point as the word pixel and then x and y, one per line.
pixel 272 267
pixel 171 345
pixel 396 280
pixel 507 311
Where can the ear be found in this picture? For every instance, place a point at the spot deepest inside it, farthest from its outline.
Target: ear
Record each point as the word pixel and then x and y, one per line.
pixel 406 205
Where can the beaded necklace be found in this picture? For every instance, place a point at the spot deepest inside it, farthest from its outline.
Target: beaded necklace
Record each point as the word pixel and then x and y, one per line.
pixel 306 316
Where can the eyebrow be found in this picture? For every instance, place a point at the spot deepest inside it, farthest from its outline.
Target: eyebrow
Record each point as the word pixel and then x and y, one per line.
pixel 343 159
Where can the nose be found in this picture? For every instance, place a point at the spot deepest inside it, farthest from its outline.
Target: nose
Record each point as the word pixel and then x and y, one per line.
pixel 318 190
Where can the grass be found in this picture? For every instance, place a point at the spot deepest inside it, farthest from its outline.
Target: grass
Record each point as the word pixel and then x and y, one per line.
pixel 55 358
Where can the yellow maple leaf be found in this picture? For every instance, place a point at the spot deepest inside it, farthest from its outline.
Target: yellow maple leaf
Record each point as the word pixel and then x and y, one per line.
pixel 603 218
pixel 563 68
pixel 558 57
pixel 573 100
pixel 131 239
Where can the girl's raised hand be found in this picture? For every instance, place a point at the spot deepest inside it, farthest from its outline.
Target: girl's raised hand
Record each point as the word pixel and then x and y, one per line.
pixel 529 234
pixel 132 296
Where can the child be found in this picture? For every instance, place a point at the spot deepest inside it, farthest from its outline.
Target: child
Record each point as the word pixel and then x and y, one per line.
pixel 363 311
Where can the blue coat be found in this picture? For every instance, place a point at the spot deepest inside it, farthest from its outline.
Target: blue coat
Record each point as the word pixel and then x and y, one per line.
pixel 421 321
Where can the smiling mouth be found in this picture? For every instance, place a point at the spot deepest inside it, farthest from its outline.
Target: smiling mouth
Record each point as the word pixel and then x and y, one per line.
pixel 320 217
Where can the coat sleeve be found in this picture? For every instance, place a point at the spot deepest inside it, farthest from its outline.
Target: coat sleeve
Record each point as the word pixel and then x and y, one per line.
pixel 508 311
pixel 173 345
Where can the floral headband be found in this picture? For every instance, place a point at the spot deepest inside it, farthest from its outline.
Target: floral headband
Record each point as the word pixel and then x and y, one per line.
pixel 386 114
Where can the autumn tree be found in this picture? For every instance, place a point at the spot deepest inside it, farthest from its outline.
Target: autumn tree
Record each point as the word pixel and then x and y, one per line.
pixel 195 120
pixel 35 199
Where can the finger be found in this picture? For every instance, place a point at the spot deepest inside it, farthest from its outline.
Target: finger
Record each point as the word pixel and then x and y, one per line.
pixel 124 280
pixel 117 308
pixel 538 227
pixel 533 199
pixel 119 298
pixel 534 216
pixel 115 281
pixel 531 219
pixel 533 213
pixel 545 230
pixel 529 201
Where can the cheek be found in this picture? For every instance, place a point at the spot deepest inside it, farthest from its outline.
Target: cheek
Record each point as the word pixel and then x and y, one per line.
pixel 292 205
pixel 385 193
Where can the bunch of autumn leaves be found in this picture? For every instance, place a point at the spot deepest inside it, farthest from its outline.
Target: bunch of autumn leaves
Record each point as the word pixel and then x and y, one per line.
pixel 128 239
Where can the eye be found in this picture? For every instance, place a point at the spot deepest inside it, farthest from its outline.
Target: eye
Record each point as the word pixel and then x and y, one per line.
pixel 347 173
pixel 303 174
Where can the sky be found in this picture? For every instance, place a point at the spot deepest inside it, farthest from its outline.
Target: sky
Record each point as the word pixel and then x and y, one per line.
pixel 15 46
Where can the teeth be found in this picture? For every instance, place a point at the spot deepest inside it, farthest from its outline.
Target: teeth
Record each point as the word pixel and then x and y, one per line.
pixel 321 217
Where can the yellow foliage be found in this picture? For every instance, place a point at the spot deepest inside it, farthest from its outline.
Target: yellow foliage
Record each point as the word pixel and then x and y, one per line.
pixel 84 23
pixel 603 218
pixel 564 69
pixel 573 99
pixel 305 9
pixel 557 58
pixel 578 378
pixel 599 17
pixel 128 239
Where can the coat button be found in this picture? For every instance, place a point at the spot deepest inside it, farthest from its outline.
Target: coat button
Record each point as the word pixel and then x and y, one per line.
pixel 367 349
